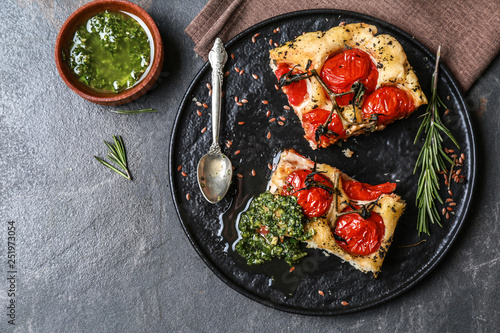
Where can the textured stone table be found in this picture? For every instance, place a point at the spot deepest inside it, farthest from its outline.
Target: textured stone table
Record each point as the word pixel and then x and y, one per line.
pixel 97 253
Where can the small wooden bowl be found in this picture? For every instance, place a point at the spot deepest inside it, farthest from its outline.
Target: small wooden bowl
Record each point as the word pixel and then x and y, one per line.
pixel 63 43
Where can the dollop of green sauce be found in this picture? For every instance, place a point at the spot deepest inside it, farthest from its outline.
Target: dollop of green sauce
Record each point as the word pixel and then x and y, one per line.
pixel 284 220
pixel 110 52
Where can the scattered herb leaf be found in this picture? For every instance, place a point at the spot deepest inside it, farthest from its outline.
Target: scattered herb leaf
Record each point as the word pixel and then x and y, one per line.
pixel 413 245
pixel 118 156
pixel 133 111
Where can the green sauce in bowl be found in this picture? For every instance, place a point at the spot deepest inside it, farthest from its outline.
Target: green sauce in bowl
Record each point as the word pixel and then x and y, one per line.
pixel 110 52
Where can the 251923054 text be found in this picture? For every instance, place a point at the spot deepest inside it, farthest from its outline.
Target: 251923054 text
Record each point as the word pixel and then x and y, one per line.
pixel 11 273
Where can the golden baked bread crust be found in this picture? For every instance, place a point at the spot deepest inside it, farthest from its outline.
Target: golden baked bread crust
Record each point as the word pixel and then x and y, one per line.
pixel 314 48
pixel 390 207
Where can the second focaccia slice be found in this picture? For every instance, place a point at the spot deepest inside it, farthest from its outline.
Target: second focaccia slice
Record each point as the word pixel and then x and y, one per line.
pixel 362 239
pixel 346 58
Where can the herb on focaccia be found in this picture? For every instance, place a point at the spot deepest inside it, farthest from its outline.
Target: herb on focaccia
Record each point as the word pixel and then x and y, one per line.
pixel 432 158
pixel 313 180
pixel 357 88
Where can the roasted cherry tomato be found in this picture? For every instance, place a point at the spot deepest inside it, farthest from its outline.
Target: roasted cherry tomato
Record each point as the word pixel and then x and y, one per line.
pixel 389 103
pixel 343 69
pixel 311 121
pixel 315 201
pixel 361 191
pixel 296 91
pixel 362 237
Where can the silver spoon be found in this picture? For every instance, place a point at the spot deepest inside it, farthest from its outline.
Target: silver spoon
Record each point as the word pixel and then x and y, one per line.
pixel 214 169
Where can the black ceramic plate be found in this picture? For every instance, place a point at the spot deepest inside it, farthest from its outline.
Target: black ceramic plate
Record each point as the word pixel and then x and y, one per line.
pixel 388 155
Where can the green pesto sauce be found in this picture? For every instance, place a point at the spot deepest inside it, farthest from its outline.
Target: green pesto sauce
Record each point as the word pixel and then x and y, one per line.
pixel 284 219
pixel 110 52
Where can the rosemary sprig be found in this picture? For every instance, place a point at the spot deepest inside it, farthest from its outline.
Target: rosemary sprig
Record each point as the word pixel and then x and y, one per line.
pixel 133 111
pixel 431 159
pixel 117 155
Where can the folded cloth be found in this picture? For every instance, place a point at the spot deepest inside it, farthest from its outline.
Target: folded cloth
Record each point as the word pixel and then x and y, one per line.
pixel 468 30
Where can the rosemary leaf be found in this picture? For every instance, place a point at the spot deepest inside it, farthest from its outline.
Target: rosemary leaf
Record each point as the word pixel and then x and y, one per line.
pixel 133 111
pixel 112 149
pixel 112 167
pixel 121 150
pixel 118 156
pixel 116 161
pixel 118 148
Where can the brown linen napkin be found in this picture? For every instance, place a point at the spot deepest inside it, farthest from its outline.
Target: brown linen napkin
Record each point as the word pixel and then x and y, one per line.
pixel 468 30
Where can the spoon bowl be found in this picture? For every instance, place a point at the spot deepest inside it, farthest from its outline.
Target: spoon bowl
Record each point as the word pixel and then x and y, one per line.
pixel 214 175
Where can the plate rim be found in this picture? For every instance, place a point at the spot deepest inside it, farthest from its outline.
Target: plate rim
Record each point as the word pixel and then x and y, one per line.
pixel 472 180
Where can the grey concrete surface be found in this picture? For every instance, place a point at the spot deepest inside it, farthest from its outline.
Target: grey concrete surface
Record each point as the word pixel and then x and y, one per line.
pixel 97 253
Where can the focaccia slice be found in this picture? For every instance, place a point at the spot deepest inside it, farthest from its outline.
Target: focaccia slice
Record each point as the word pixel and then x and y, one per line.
pixel 311 50
pixel 390 207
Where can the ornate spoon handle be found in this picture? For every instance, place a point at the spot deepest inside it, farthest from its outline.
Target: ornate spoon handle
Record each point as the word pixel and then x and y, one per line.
pixel 217 58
